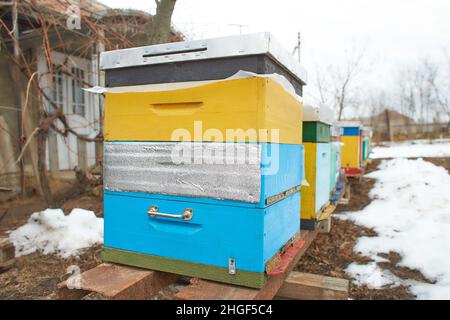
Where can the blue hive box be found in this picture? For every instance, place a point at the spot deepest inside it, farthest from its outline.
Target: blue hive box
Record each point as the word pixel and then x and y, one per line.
pixel 223 222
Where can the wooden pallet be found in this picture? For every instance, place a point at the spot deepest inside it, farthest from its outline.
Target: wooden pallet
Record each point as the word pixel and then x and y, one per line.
pixel 354 172
pixel 207 290
pixel 7 254
pixel 345 199
pixel 116 282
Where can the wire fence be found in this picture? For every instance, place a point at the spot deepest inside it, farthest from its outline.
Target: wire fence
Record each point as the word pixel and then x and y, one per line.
pixel 411 131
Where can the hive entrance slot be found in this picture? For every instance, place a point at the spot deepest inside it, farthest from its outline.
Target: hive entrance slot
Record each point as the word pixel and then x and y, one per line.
pixel 151 55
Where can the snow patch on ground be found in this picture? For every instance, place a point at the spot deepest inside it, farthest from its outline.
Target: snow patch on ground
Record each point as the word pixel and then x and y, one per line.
pixel 412 149
pixel 52 232
pixel 372 276
pixel 411 214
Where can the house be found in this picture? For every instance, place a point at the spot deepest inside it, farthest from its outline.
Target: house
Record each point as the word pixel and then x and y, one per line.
pixel 390 124
pixel 59 43
pixel 398 123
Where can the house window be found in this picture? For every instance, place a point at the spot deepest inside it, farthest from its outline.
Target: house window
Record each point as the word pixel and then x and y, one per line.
pixel 78 95
pixel 67 93
pixel 58 93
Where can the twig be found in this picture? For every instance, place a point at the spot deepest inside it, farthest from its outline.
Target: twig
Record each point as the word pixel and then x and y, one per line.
pixel 3 215
pixel 25 146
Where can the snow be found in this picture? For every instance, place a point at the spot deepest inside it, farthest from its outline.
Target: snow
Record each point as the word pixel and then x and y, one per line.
pixel 371 275
pixel 241 74
pixel 410 212
pixel 52 232
pixel 413 149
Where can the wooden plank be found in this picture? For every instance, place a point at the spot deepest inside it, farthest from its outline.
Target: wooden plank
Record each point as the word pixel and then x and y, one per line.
pixel 326 212
pixel 7 250
pixel 274 283
pixel 345 199
pixel 7 254
pixel 304 286
pixel 117 282
pixel 325 226
pixel 185 268
pixel 208 290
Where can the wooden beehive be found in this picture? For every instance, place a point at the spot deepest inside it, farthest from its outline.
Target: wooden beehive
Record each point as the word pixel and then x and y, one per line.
pixel 223 222
pixel 351 138
pixel 318 151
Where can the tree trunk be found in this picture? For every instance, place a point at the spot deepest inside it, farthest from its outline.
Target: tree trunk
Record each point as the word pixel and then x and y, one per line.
pixel 159 28
pixel 388 126
pixel 16 80
pixel 42 165
pixel 341 103
pixel 341 110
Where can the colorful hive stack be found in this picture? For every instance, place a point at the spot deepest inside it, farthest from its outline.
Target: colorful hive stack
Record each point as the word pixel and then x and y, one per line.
pixel 225 208
pixel 367 143
pixel 316 138
pixel 351 136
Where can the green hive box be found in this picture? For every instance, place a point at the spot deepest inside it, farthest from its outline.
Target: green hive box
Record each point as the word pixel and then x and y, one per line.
pixel 316 132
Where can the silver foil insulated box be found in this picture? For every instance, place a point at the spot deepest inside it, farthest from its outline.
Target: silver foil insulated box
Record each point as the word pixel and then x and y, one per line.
pixel 180 169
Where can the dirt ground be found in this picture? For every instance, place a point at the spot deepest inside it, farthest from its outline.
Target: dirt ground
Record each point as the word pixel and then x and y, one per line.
pixel 330 254
pixel 443 162
pixel 36 276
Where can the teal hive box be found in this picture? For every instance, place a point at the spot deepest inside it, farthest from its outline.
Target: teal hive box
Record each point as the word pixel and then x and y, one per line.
pixel 200 236
pixel 335 164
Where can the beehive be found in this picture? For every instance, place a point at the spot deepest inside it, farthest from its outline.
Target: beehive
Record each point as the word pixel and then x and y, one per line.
pixel 222 221
pixel 352 147
pixel 317 165
pixel 336 151
pixel 366 147
pixel 335 168
pixel 317 172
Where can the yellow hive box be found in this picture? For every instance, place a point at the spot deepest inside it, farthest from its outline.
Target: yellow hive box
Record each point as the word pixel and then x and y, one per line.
pixel 317 172
pixel 350 151
pixel 247 104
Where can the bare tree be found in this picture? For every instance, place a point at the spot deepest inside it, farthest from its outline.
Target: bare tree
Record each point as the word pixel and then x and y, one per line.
pixel 42 112
pixel 322 86
pixel 344 77
pixel 377 102
pixel 159 28
pixel 335 84
pixel 423 91
pixel 448 90
pixel 444 89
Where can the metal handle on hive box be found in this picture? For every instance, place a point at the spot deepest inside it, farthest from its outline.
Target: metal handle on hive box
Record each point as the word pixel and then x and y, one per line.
pixel 187 214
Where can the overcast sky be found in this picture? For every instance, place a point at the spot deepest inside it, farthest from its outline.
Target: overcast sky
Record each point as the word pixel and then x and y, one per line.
pixel 395 32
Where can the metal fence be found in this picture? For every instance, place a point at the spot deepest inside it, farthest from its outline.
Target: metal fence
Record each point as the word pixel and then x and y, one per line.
pixel 411 131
